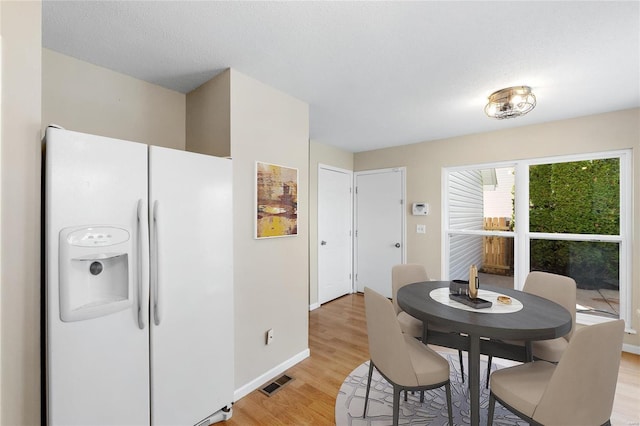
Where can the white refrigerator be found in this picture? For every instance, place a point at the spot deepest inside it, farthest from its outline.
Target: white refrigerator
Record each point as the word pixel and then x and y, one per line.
pixel 138 283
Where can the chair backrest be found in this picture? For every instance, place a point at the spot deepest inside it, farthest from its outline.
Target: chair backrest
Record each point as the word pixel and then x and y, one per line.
pixel 404 274
pixel 583 385
pixel 557 288
pixel 387 347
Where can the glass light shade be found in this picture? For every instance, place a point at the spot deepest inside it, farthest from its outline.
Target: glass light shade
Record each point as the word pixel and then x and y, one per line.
pixel 510 102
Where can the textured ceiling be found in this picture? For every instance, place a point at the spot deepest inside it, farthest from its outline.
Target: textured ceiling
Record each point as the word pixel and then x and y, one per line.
pixel 375 74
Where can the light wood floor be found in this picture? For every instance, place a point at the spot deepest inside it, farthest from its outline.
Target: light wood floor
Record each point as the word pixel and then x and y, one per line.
pixel 338 344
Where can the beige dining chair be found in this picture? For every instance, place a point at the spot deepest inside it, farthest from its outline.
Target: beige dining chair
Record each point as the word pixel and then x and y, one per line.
pixel 579 390
pixel 401 275
pixel 559 289
pixel 403 361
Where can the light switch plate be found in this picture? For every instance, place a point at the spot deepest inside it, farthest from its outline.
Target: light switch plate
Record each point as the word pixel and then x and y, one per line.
pixel 421 229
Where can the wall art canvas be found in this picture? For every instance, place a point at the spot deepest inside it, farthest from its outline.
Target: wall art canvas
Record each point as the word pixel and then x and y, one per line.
pixel 276 201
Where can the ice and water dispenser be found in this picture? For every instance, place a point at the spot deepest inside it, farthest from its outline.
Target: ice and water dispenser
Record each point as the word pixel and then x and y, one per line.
pixel 94 271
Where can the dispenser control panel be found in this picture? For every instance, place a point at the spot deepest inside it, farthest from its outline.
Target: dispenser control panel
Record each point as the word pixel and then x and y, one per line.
pixel 98 236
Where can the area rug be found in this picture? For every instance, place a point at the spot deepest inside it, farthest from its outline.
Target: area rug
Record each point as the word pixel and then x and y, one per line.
pixel 433 411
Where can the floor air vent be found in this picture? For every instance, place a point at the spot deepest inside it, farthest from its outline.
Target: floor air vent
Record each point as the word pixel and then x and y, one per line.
pixel 276 385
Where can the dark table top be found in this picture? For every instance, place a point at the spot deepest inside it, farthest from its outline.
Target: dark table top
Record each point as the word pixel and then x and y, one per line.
pixel 539 318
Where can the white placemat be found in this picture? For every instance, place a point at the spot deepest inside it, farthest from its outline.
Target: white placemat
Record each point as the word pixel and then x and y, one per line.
pixel 442 295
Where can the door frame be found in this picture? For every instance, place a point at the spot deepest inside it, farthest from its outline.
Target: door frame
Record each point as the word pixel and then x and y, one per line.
pixel 403 231
pixel 350 173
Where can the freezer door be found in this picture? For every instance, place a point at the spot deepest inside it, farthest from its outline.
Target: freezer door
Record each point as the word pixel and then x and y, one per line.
pixel 96 364
pixel 191 286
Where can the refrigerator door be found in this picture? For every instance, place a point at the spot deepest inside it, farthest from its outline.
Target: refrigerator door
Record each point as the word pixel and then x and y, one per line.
pixel 191 287
pixel 96 239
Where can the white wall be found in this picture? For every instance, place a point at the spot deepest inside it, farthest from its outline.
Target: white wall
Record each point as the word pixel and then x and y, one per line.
pixel 20 233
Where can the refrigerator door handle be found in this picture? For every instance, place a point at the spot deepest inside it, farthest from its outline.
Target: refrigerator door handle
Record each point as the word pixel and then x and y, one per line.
pixel 140 267
pixel 156 263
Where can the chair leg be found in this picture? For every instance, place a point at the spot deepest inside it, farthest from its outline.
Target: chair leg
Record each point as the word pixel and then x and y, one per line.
pixel 488 370
pixel 492 406
pixel 405 395
pixel 447 388
pixel 461 364
pixel 396 404
pixel 421 397
pixel 366 398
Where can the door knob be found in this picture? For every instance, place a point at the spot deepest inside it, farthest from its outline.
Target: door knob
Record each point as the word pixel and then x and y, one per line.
pixel 397 245
pixel 323 243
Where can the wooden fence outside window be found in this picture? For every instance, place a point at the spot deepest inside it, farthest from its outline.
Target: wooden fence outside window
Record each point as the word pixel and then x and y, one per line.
pixel 498 251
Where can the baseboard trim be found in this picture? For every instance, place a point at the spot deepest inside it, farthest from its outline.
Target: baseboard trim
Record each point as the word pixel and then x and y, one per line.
pixel 313 306
pixel 631 349
pixel 269 375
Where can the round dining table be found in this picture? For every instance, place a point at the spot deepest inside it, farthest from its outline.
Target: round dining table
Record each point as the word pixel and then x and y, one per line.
pixel 535 318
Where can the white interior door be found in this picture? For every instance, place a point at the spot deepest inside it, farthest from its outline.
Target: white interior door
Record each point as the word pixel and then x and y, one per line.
pixel 334 233
pixel 379 227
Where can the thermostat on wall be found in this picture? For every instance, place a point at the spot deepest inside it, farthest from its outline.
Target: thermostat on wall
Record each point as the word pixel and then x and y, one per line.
pixel 420 209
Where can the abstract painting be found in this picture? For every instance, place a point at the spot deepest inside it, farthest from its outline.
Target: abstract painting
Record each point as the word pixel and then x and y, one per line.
pixel 276 201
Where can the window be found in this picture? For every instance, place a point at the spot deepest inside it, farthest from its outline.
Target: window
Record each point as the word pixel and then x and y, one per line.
pixel 480 223
pixel 566 215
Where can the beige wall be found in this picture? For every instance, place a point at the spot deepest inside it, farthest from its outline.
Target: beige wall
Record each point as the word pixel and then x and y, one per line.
pixel 424 162
pixel 86 98
pixel 20 233
pixel 329 156
pixel 208 117
pixel 1 117
pixel 270 275
pixel 268 126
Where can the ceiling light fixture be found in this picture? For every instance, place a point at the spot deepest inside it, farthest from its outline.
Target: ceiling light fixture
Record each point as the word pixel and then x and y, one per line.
pixel 510 102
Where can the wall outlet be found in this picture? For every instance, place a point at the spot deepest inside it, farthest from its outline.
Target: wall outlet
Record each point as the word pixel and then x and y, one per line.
pixel 421 229
pixel 269 336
